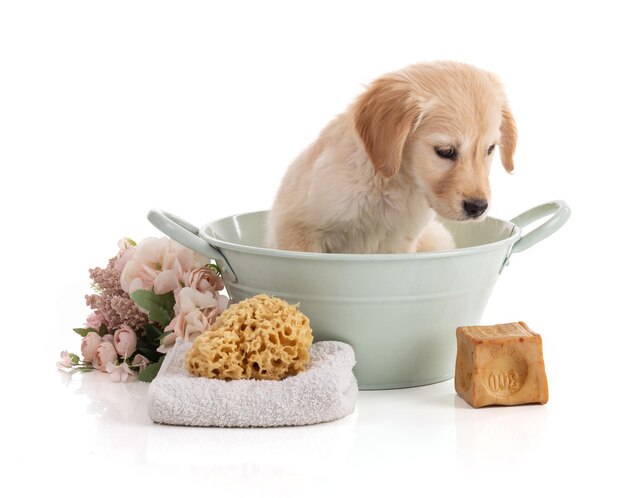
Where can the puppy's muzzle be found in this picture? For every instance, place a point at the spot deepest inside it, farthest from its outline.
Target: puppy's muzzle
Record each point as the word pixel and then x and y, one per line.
pixel 475 207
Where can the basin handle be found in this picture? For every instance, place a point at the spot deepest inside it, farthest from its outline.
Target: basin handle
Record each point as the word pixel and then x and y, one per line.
pixel 559 213
pixel 187 234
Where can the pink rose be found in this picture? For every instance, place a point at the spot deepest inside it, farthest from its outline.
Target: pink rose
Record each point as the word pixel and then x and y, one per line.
pixel 192 313
pixel 190 299
pixel 145 265
pixel 168 341
pixel 140 361
pixel 196 322
pixel 204 280
pixel 165 282
pixel 222 304
pixel 89 344
pixel 125 341
pixel 94 321
pixel 151 258
pixel 105 353
pixel 125 254
pixel 119 373
pixel 65 361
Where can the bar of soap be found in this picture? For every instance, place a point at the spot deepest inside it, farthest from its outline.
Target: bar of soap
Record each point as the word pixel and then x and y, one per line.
pixel 500 365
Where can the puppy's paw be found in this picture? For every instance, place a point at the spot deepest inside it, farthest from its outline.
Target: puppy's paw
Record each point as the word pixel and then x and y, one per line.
pixel 435 237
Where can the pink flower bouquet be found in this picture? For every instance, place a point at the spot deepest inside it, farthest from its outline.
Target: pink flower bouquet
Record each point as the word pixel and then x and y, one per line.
pixel 148 295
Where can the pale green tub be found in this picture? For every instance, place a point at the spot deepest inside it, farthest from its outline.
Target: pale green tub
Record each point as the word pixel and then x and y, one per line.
pixel 398 311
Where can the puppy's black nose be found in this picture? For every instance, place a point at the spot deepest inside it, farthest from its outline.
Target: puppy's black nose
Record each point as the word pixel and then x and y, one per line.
pixel 475 207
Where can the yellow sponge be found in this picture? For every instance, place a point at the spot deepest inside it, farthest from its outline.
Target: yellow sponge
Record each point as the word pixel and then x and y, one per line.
pixel 259 338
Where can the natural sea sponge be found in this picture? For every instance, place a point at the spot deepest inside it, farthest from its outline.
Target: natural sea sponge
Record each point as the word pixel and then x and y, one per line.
pixel 262 338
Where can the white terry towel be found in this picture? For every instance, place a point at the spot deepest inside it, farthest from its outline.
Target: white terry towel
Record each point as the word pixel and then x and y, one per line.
pixel 326 391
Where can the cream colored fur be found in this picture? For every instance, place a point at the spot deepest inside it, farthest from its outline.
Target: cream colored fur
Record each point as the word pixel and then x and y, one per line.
pixel 373 180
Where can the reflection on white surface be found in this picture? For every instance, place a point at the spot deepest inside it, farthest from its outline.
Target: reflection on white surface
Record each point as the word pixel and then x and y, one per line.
pixel 485 436
pixel 113 402
pixel 122 426
pixel 81 426
pixel 326 444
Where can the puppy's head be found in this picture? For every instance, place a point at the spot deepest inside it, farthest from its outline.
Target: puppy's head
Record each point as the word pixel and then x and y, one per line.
pixel 440 124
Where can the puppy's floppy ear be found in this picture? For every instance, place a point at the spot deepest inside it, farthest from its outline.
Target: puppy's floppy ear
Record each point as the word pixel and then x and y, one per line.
pixel 383 117
pixel 508 138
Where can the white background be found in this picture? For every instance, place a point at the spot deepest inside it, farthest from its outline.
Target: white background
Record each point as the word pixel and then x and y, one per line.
pixel 110 108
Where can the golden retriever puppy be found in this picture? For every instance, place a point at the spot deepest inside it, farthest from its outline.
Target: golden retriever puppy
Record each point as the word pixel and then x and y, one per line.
pixel 418 142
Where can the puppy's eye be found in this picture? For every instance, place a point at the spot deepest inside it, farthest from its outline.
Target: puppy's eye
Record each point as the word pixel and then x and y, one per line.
pixel 490 149
pixel 446 152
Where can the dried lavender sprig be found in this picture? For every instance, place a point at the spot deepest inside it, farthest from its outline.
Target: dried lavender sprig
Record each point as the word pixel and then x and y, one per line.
pixel 111 302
